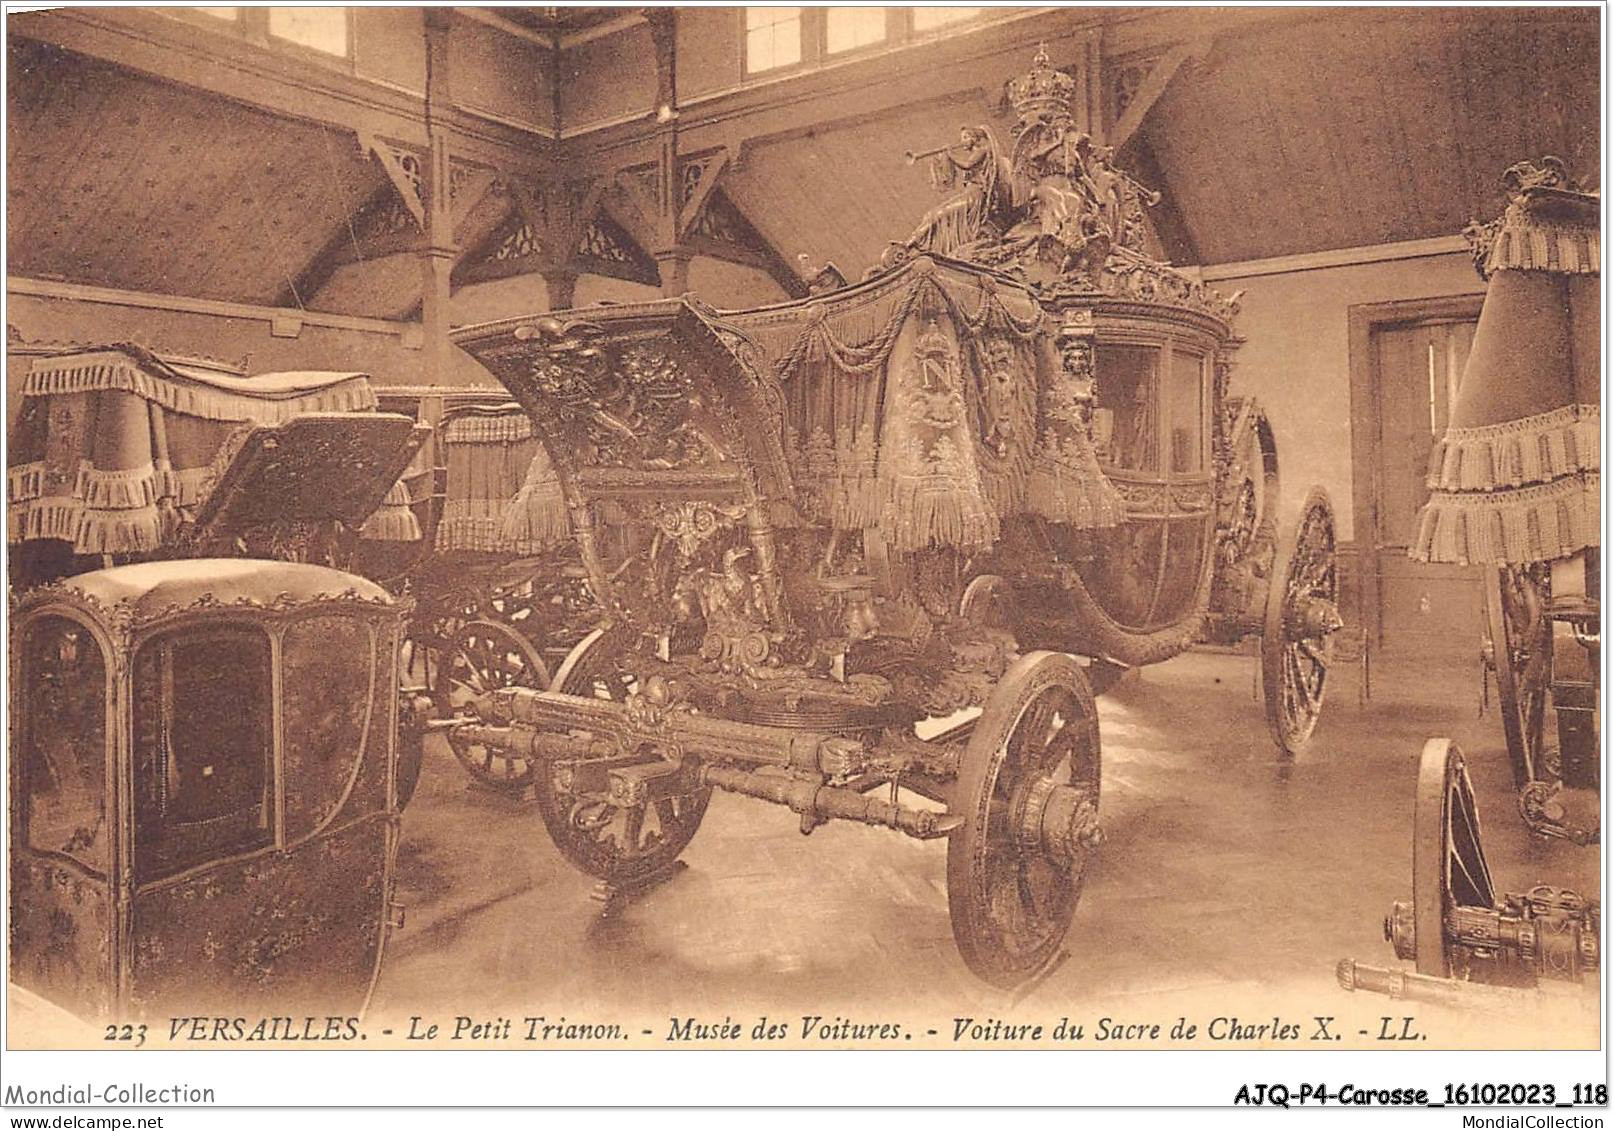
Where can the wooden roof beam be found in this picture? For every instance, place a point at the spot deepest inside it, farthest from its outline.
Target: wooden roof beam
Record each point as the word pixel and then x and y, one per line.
pixel 1154 85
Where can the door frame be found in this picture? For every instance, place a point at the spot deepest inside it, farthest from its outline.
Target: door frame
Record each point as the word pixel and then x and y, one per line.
pixel 1365 319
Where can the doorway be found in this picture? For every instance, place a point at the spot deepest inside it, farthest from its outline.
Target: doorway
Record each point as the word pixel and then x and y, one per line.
pixel 1406 363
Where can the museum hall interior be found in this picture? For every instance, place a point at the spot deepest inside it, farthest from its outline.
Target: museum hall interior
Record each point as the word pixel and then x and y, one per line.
pixel 644 516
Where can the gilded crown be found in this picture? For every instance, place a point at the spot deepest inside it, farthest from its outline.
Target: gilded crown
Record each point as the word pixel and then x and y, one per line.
pixel 1043 92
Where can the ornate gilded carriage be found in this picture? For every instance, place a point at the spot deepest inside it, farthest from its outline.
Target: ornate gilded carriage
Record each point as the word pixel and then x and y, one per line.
pixel 204 788
pixel 848 548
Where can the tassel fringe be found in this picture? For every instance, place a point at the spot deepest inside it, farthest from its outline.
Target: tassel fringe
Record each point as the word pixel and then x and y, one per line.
pixel 1536 449
pixel 269 398
pixel 1512 527
pixel 506 428
pixel 931 510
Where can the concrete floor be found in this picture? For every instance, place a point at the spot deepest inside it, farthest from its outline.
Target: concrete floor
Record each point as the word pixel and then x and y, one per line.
pixel 1230 885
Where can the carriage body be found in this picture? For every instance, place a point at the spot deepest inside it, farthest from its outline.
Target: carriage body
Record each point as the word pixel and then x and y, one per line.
pixel 204 791
pixel 819 529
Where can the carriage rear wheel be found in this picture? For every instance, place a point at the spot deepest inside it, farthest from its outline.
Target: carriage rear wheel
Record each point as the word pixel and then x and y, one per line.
pixel 1520 652
pixel 618 844
pixel 1302 613
pixel 1028 794
pixel 482 657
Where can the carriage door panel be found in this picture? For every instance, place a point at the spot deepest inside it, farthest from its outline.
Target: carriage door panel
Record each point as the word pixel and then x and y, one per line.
pixel 61 833
pixel 1418 366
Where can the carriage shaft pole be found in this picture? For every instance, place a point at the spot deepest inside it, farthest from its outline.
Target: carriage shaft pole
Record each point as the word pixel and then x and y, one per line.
pixel 541 723
pixel 818 802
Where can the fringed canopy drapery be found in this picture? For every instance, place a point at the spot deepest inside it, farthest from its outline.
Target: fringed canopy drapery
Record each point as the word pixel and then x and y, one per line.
pixel 929 405
pixel 112 444
pixel 1517 476
pixel 503 494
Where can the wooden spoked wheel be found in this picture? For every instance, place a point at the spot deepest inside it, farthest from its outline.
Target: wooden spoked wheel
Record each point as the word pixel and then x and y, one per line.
pixel 616 843
pixel 1301 617
pixel 1519 649
pixel 1448 868
pixel 483 657
pixel 1030 772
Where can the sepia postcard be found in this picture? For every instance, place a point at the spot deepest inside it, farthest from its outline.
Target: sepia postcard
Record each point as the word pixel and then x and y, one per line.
pixel 834 530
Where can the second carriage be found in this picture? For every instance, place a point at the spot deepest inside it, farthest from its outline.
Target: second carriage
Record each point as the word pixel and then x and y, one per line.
pixel 498 595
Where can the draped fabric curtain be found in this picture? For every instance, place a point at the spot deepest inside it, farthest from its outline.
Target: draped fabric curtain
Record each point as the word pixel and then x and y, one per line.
pixel 929 407
pixel 1517 476
pixel 113 445
pixel 503 495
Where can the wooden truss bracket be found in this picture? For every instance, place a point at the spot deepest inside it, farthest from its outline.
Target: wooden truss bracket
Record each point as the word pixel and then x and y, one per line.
pixel 404 169
pixel 1136 91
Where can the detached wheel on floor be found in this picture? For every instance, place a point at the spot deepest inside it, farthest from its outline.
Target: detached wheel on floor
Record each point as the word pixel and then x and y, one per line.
pixel 1028 796
pixel 484 656
pixel 616 843
pixel 1448 868
pixel 1302 613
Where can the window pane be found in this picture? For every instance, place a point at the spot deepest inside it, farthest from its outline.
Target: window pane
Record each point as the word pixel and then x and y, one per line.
pixel 1126 423
pixel 323 29
pixel 64 741
pixel 926 18
pixel 220 13
pixel 854 27
pixel 772 38
pixel 1188 433
pixel 202 748
pixel 325 689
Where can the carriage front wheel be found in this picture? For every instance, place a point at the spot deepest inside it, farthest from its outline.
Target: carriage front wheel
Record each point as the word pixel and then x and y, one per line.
pixel 1302 613
pixel 1028 794
pixel 616 843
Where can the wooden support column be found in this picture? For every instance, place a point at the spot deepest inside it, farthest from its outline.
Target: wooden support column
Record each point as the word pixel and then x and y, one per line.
pixel 438 256
pixel 561 283
pixel 674 266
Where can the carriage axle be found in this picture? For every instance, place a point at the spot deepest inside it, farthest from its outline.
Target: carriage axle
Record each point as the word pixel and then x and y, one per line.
pixel 1545 933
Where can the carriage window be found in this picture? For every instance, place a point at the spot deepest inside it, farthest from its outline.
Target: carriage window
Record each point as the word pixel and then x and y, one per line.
pixel 203 748
pixel 1185 390
pixel 64 741
pixel 327 666
pixel 1126 425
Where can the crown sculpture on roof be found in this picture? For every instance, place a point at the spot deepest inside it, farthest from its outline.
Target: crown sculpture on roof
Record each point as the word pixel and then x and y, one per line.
pixel 1042 92
pixel 1054 209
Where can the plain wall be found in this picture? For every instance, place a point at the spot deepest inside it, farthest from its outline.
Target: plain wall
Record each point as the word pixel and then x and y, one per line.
pixel 500 75
pixel 607 79
pixel 1296 358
